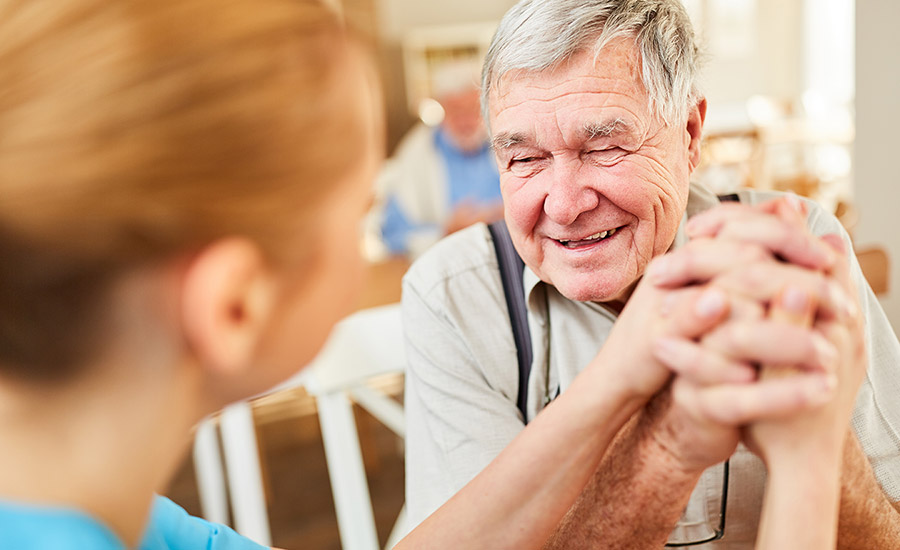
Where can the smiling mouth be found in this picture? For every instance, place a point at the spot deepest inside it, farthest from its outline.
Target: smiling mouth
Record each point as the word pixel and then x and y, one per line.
pixel 587 241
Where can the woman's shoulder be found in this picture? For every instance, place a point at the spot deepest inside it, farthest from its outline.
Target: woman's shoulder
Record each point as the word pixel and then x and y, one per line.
pixel 34 527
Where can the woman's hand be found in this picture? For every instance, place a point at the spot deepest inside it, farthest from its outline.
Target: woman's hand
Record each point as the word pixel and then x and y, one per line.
pixel 822 431
pixel 716 391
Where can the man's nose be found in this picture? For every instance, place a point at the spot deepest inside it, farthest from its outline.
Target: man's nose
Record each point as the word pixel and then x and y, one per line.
pixel 569 195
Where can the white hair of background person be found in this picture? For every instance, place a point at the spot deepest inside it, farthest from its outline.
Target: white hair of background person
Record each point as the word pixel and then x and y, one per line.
pixel 453 77
pixel 536 35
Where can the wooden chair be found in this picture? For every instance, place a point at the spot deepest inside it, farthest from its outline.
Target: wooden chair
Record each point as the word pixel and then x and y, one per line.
pixel 873 261
pixel 367 345
pixel 364 346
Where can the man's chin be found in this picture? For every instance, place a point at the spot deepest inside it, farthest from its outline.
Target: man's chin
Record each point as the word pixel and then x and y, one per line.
pixel 595 291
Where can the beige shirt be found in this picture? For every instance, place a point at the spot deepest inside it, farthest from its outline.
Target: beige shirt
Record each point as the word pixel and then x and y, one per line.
pixel 462 380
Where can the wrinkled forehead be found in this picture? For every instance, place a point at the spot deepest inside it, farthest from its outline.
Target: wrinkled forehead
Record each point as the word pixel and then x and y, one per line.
pixel 607 87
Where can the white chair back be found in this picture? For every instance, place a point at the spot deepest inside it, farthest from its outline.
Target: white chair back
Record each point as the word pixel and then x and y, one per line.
pixel 365 345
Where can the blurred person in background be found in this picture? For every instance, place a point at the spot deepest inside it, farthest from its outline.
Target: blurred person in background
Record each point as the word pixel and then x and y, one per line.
pixel 443 178
pixel 172 175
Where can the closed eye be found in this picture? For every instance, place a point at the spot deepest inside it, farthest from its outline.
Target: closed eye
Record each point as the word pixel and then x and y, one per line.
pixel 607 156
pixel 526 166
pixel 523 160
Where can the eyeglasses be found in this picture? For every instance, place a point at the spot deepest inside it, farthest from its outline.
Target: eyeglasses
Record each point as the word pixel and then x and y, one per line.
pixel 698 524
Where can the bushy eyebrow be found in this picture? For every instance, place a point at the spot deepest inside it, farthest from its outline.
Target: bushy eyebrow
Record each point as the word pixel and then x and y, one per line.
pixel 610 128
pixel 505 140
pixel 591 130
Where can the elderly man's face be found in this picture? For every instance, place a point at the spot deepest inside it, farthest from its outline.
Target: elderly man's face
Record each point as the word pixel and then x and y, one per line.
pixel 594 185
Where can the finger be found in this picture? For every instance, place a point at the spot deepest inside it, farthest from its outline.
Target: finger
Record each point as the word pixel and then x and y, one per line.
pixel 841 269
pixel 836 242
pixel 766 342
pixel 791 208
pixel 702 366
pixel 784 237
pixel 739 404
pixel 850 342
pixel 702 260
pixel 741 308
pixel 706 224
pixel 790 242
pixel 691 312
pixel 764 281
pixel 795 307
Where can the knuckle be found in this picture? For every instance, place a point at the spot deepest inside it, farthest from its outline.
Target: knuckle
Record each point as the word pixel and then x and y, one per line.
pixel 836 297
pixel 683 394
pixel 734 413
pixel 704 407
pixel 783 232
pixel 824 288
pixel 687 262
pixel 736 337
pixel 689 367
pixel 752 253
pixel 716 340
pixel 746 309
pixel 756 276
pixel 813 345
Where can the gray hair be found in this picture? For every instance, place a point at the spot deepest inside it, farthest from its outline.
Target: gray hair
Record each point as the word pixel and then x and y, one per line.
pixel 536 35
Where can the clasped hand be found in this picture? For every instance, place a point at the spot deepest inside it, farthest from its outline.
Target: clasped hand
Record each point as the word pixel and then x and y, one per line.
pixel 759 321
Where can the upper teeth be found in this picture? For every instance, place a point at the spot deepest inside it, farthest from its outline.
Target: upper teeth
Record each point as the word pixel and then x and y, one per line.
pixel 600 235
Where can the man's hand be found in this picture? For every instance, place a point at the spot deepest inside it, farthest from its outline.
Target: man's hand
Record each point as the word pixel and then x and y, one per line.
pixel 867 519
pixel 752 253
pixel 836 346
pixel 653 313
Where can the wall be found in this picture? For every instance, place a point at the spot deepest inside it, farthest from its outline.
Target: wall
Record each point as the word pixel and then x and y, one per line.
pixel 398 16
pixel 395 18
pixel 877 184
pixel 774 67
pixel 775 64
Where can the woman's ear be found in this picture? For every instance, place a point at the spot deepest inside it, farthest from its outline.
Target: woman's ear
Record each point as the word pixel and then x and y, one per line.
pixel 227 299
pixel 696 118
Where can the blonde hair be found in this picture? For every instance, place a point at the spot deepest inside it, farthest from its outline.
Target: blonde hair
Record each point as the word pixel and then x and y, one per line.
pixel 134 131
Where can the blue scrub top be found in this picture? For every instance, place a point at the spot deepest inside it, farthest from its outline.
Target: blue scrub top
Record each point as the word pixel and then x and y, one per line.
pixel 29 527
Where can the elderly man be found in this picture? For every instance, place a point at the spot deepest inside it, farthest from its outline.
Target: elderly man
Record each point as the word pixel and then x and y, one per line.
pixel 596 121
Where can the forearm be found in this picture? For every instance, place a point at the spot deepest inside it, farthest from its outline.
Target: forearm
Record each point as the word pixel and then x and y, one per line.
pixel 867 518
pixel 518 500
pixel 801 504
pixel 633 500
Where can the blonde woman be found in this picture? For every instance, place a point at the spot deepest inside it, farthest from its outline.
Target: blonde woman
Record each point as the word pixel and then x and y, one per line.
pixel 181 183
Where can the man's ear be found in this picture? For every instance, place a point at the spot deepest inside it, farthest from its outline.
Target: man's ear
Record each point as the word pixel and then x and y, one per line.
pixel 227 297
pixel 696 118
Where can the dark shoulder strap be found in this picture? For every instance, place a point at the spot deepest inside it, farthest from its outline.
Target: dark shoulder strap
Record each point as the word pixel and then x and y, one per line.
pixel 511 273
pixel 731 197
